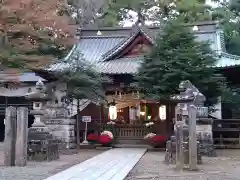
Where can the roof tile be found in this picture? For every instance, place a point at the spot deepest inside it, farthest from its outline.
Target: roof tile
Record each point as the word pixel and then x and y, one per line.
pixel 127 65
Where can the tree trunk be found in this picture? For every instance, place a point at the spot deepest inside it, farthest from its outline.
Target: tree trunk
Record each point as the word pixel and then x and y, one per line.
pixel 78 123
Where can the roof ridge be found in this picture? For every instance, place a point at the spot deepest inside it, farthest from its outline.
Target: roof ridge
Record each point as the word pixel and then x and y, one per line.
pixel 198 23
pixel 103 36
pixel 131 57
pixel 231 56
pixel 134 32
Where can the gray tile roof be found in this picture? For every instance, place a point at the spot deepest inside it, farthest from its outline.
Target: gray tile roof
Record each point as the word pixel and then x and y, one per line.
pixel 203 26
pixel 20 77
pixel 29 77
pixel 127 41
pixel 227 60
pixel 94 47
pixel 127 65
pixel 98 48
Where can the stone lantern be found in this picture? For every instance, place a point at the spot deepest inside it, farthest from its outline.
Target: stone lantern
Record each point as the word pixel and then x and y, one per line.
pixel 41 143
pixel 185 126
pixel 39 97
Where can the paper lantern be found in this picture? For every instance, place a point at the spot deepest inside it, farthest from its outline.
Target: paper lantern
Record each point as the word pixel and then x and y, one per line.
pixel 142 113
pixel 112 112
pixel 163 112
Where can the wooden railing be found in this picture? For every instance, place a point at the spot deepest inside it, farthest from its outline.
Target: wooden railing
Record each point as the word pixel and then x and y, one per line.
pixel 127 131
pixel 130 131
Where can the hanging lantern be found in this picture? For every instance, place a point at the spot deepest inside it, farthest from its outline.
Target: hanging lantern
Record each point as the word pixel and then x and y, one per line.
pixel 163 112
pixel 112 111
pixel 195 28
pixel 142 109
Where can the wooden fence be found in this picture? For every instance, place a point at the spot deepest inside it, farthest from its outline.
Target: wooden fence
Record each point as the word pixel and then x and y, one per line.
pixel 226 133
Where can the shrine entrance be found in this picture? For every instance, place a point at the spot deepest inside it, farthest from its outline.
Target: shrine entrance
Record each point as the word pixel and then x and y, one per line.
pixel 133 115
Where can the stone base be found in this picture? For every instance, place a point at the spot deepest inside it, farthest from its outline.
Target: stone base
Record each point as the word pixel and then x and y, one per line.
pixel 87 146
pixel 170 156
pixel 103 148
pixel 67 145
pixel 41 145
pixel 63 130
pixel 204 136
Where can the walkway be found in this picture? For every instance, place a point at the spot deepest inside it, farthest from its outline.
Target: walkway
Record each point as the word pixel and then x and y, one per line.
pixel 113 164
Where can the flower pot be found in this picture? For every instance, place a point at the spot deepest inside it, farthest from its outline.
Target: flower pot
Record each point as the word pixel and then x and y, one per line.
pixel 92 142
pixel 157 141
pixel 92 138
pixel 105 140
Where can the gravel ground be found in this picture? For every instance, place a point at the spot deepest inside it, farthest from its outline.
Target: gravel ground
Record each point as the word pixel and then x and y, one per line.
pixel 42 170
pixel 224 167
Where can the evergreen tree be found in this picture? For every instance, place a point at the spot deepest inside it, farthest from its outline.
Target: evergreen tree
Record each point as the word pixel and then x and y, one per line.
pixel 177 56
pixel 157 11
pixel 230 101
pixel 83 82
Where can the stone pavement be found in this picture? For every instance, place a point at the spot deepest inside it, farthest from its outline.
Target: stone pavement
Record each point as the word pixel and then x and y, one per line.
pixel 113 164
pixel 224 167
pixel 42 170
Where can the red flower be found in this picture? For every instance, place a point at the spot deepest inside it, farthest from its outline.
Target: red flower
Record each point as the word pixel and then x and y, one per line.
pixel 157 139
pixel 104 139
pixel 92 137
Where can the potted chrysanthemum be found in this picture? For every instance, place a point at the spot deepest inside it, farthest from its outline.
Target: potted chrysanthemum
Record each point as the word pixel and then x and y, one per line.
pixel 92 138
pixel 156 141
pixel 106 138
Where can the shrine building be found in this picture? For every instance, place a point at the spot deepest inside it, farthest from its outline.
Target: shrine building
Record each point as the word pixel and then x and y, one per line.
pixel 118 53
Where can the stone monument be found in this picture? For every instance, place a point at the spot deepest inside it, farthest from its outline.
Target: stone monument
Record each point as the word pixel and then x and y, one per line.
pixel 193 132
pixel 15 143
pixel 10 136
pixel 61 125
pixel 184 143
pixel 22 136
pixel 42 145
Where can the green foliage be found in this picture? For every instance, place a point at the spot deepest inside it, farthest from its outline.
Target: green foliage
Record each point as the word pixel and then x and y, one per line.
pixel 231 100
pixel 194 10
pixel 228 14
pixel 83 81
pixel 188 11
pixel 185 10
pixel 177 57
pixel 118 10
